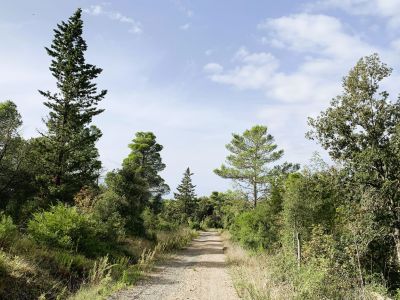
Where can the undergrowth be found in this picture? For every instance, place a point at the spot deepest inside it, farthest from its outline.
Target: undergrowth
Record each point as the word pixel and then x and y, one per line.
pixel 259 275
pixel 30 270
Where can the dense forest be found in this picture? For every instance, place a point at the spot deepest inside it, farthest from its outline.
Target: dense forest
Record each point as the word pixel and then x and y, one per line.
pixel 322 231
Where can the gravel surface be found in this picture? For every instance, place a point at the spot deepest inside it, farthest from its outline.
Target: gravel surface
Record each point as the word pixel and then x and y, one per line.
pixel 198 272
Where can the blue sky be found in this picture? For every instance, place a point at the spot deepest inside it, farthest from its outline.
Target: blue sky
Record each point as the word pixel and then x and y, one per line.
pixel 193 72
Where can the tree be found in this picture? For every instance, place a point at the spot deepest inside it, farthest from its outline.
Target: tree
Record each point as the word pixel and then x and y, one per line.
pixel 361 130
pixel 251 154
pixel 186 196
pixel 131 194
pixel 310 199
pixel 10 121
pixel 145 156
pixel 70 157
pixel 138 184
pixel 10 141
pixel 16 175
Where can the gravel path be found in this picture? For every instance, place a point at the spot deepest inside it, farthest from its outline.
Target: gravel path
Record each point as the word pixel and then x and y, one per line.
pixel 198 272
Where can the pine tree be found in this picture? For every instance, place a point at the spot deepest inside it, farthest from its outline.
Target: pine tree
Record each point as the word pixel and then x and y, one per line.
pixel 70 157
pixel 186 196
pixel 251 154
pixel 145 156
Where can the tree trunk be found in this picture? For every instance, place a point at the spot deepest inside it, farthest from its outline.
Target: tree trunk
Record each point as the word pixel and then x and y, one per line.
pixel 359 270
pixel 297 235
pixel 255 192
pixel 396 237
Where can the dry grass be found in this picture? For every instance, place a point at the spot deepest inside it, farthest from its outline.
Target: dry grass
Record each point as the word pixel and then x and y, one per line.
pixel 260 276
pixel 253 274
pixel 106 278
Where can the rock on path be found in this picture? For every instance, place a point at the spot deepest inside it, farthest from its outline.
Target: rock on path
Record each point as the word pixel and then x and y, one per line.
pixel 198 272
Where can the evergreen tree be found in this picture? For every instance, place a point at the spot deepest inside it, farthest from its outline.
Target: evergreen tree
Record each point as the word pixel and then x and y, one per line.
pixel 70 157
pixel 138 183
pixel 186 196
pixel 251 153
pixel 132 196
pixel 145 157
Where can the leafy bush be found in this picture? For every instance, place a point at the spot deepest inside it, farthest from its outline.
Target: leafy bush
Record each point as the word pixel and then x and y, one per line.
pixel 150 222
pixel 64 227
pixel 194 224
pixel 8 230
pixel 233 206
pixel 256 228
pixel 209 222
pixel 110 225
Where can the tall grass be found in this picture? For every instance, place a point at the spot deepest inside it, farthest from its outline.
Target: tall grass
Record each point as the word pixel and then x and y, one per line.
pixel 258 275
pixel 252 274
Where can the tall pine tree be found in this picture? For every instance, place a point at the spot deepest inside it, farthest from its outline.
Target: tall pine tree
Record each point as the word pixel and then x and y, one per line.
pixel 186 195
pixel 70 157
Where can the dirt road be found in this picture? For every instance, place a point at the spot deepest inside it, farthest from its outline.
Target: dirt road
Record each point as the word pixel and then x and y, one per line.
pixel 198 272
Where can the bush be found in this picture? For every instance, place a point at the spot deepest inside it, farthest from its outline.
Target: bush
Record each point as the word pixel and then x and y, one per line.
pixel 8 230
pixel 257 228
pixel 194 224
pixel 150 223
pixel 64 227
pixel 110 225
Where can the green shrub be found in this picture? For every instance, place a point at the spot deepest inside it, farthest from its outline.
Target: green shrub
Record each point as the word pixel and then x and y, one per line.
pixel 164 225
pixel 211 222
pixel 64 227
pixel 256 228
pixel 8 230
pixel 110 225
pixel 194 224
pixel 150 223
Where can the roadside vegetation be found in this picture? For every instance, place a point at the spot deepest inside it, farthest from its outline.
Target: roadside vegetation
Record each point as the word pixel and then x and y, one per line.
pixel 325 231
pixel 322 231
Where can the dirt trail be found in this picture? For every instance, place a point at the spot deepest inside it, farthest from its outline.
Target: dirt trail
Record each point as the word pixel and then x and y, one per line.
pixel 198 272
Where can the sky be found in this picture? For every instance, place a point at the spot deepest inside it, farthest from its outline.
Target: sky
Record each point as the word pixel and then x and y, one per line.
pixel 196 71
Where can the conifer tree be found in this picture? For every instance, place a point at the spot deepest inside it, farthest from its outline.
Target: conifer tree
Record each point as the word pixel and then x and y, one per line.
pixel 248 164
pixel 186 195
pixel 70 157
pixel 145 156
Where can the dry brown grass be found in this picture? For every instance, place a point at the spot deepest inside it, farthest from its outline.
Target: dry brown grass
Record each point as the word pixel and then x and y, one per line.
pixel 252 274
pixel 102 283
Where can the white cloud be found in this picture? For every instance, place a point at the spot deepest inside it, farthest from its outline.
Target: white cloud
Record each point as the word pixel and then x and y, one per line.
pixel 253 72
pixel 213 68
pixel 254 58
pixel 327 52
pixel 185 26
pixel 94 10
pixel 389 9
pixel 313 33
pixel 98 10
